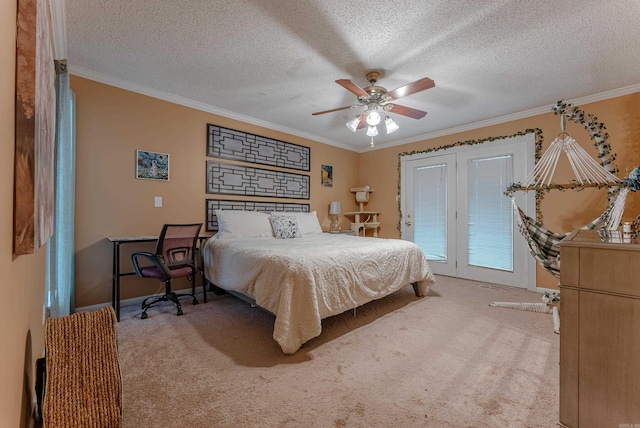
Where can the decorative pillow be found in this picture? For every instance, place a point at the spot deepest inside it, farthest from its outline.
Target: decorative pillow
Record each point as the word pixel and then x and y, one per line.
pixel 284 226
pixel 307 222
pixel 243 224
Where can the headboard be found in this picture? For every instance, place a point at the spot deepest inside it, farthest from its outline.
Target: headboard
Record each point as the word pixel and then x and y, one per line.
pixel 260 206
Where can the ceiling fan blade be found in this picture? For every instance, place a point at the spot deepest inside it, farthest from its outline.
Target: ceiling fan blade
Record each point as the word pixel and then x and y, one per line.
pixel 411 88
pixel 405 111
pixel 352 87
pixel 332 110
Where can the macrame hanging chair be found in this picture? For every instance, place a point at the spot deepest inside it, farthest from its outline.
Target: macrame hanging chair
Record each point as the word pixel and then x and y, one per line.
pixel 544 244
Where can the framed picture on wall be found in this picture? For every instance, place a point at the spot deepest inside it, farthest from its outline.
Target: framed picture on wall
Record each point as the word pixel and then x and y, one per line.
pixel 34 128
pixel 326 177
pixel 152 165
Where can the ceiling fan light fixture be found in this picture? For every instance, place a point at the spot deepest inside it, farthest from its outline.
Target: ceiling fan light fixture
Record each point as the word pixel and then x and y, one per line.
pixel 391 125
pixel 377 101
pixel 353 123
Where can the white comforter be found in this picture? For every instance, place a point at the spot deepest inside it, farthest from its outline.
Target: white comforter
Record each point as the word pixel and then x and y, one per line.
pixel 304 280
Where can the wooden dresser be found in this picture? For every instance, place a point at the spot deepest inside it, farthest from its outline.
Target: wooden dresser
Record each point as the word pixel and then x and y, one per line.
pixel 600 332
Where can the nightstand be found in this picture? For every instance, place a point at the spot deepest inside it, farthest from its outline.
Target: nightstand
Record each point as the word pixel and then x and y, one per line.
pixel 342 232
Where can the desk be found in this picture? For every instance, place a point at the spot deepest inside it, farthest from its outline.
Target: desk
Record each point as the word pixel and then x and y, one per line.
pixel 119 240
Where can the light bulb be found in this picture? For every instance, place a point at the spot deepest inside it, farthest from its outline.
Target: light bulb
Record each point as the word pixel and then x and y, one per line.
pixel 373 118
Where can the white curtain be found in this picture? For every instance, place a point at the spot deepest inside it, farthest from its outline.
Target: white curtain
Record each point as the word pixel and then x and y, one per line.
pixel 61 246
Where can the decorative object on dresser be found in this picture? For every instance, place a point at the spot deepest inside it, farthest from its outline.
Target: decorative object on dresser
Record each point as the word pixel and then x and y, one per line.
pixel 334 212
pixel 363 220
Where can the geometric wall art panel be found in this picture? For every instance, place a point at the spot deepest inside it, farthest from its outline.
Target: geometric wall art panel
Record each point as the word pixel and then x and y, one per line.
pixel 227 143
pixel 231 179
pixel 266 207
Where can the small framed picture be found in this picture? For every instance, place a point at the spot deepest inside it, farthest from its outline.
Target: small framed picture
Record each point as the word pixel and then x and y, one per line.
pixel 326 175
pixel 152 165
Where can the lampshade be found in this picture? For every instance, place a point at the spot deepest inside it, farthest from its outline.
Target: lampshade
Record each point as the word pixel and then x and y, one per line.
pixel 372 131
pixel 334 207
pixel 391 125
pixel 353 123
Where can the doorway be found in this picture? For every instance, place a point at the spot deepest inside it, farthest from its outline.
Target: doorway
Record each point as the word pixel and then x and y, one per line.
pixel 455 210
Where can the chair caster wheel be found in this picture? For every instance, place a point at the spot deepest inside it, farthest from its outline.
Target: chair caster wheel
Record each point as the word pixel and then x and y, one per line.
pixel 195 301
pixel 179 312
pixel 144 316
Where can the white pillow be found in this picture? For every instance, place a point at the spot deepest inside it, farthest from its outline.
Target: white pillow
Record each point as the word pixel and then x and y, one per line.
pixel 285 226
pixel 307 222
pixel 243 224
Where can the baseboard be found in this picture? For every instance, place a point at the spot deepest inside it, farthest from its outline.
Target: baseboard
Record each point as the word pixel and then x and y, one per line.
pixel 134 301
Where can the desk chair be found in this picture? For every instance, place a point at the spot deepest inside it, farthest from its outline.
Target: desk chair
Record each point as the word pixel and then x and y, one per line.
pixel 174 258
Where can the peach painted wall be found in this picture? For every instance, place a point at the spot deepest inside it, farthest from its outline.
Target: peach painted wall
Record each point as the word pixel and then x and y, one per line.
pixel 561 211
pixel 111 124
pixel 22 286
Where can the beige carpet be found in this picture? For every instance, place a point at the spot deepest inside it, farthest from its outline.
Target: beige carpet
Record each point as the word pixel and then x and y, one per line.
pixel 445 360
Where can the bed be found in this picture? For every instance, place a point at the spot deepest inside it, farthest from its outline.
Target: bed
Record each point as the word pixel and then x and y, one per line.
pixel 286 265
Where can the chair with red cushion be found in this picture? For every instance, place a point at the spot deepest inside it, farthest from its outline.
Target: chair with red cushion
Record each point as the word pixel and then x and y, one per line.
pixel 174 257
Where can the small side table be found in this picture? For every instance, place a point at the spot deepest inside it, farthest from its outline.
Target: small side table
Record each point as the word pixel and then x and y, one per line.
pixel 343 232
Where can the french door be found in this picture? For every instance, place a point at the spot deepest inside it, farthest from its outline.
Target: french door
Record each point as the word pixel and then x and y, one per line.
pixel 454 208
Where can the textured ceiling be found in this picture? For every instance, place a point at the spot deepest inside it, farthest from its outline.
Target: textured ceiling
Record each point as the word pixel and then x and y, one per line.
pixel 274 62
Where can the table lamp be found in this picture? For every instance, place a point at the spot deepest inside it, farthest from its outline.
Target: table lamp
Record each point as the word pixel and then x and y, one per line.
pixel 334 212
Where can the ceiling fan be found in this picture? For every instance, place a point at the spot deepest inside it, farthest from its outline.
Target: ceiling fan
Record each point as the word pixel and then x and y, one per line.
pixel 378 101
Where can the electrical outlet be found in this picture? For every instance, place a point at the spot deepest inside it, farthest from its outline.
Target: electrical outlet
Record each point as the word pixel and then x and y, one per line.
pixel 157 201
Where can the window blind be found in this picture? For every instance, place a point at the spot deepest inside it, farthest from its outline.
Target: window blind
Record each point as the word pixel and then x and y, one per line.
pixel 430 206
pixel 490 218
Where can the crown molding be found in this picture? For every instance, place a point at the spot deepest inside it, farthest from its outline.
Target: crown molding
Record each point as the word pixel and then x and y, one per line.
pixel 187 102
pixel 59 29
pixel 510 117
